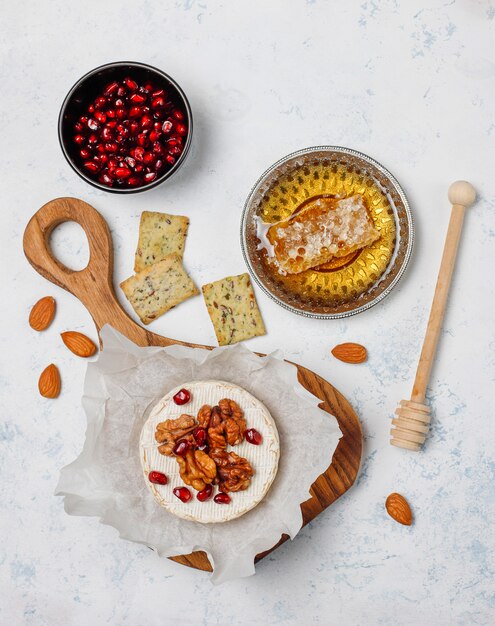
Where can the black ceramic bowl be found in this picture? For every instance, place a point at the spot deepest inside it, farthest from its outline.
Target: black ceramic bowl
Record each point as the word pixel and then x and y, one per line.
pixel 89 87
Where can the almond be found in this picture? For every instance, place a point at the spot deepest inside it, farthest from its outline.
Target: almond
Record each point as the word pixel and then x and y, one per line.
pixel 49 382
pixel 42 314
pixel 350 353
pixel 78 343
pixel 398 508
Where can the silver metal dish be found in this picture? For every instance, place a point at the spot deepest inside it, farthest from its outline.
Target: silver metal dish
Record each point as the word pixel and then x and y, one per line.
pixel 360 170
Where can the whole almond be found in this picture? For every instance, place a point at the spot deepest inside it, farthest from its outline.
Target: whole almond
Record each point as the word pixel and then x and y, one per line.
pixel 350 353
pixel 398 508
pixel 49 382
pixel 42 313
pixel 78 343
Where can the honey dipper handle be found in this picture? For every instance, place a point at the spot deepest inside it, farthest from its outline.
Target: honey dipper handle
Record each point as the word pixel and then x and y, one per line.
pixel 461 195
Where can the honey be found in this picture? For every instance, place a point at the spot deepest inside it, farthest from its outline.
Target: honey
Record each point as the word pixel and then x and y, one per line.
pixel 342 279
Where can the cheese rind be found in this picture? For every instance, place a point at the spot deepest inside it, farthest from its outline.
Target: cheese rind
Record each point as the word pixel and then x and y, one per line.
pixel 326 228
pixel 158 288
pixel 160 235
pixel 263 458
pixel 233 309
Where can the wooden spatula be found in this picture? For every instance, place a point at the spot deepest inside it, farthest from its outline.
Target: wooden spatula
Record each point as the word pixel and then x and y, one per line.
pixel 413 416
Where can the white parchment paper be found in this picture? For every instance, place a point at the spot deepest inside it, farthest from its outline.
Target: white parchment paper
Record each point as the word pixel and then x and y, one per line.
pixel 106 479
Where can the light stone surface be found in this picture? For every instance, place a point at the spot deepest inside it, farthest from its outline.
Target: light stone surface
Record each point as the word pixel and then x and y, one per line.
pixel 412 85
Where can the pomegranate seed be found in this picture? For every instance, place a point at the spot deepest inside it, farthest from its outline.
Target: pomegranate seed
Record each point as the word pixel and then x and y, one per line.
pixel 121 92
pixel 135 112
pixel 172 142
pixel 113 163
pixel 111 147
pixel 167 126
pixel 120 113
pixel 146 121
pixel 178 115
pixel 102 158
pixel 79 139
pixel 170 159
pixel 199 435
pixel 83 119
pixel 93 139
pixel 111 113
pixel 158 165
pixel 149 177
pixel 148 158
pixel 181 447
pixel 158 102
pixel 158 478
pixel 158 92
pixel 158 148
pixel 222 498
pixel 91 166
pixel 112 124
pixel 122 172
pixel 100 102
pixel 105 179
pixel 157 126
pixel 134 127
pixel 93 124
pixel 137 98
pixel 100 148
pixel 205 494
pixel 100 117
pixel 91 108
pixel 110 89
pixel 138 153
pixel 130 162
pixel 78 127
pixel 130 84
pixel 106 133
pixel 134 181
pixel 182 129
pixel 85 153
pixel 175 150
pixel 253 436
pixel 182 493
pixel 154 135
pixel 142 139
pixel 182 397
pixel 148 87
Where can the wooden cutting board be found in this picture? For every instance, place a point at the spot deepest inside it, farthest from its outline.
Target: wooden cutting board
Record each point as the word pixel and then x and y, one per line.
pixel 93 285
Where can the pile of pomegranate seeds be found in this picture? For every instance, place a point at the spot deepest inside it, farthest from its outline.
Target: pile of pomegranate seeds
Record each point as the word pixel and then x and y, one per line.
pixel 130 134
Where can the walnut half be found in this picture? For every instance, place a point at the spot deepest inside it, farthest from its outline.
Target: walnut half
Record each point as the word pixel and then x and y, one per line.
pixel 197 469
pixel 234 473
pixel 170 431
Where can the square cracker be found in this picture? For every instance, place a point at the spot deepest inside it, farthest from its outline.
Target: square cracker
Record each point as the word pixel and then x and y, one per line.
pixel 159 235
pixel 158 288
pixel 233 309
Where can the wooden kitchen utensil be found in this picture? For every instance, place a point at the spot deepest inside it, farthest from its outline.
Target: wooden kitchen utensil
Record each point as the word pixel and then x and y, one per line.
pixel 93 285
pixel 412 424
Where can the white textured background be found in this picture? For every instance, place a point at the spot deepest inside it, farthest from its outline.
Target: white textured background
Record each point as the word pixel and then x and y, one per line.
pixel 411 84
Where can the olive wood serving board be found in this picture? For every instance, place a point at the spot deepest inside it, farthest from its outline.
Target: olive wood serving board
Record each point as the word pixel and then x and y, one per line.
pixel 93 285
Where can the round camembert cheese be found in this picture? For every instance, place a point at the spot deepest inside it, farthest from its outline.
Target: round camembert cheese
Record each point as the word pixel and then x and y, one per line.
pixel 263 458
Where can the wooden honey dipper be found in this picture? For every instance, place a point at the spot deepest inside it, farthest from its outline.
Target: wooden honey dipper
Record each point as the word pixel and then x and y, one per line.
pixel 413 416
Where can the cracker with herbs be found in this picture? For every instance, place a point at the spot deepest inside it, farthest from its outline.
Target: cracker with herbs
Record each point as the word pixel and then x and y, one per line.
pixel 233 309
pixel 158 288
pixel 160 235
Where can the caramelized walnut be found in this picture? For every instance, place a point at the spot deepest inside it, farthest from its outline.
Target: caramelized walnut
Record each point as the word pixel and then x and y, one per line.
pixel 197 469
pixel 227 424
pixel 170 431
pixel 234 473
pixel 204 415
